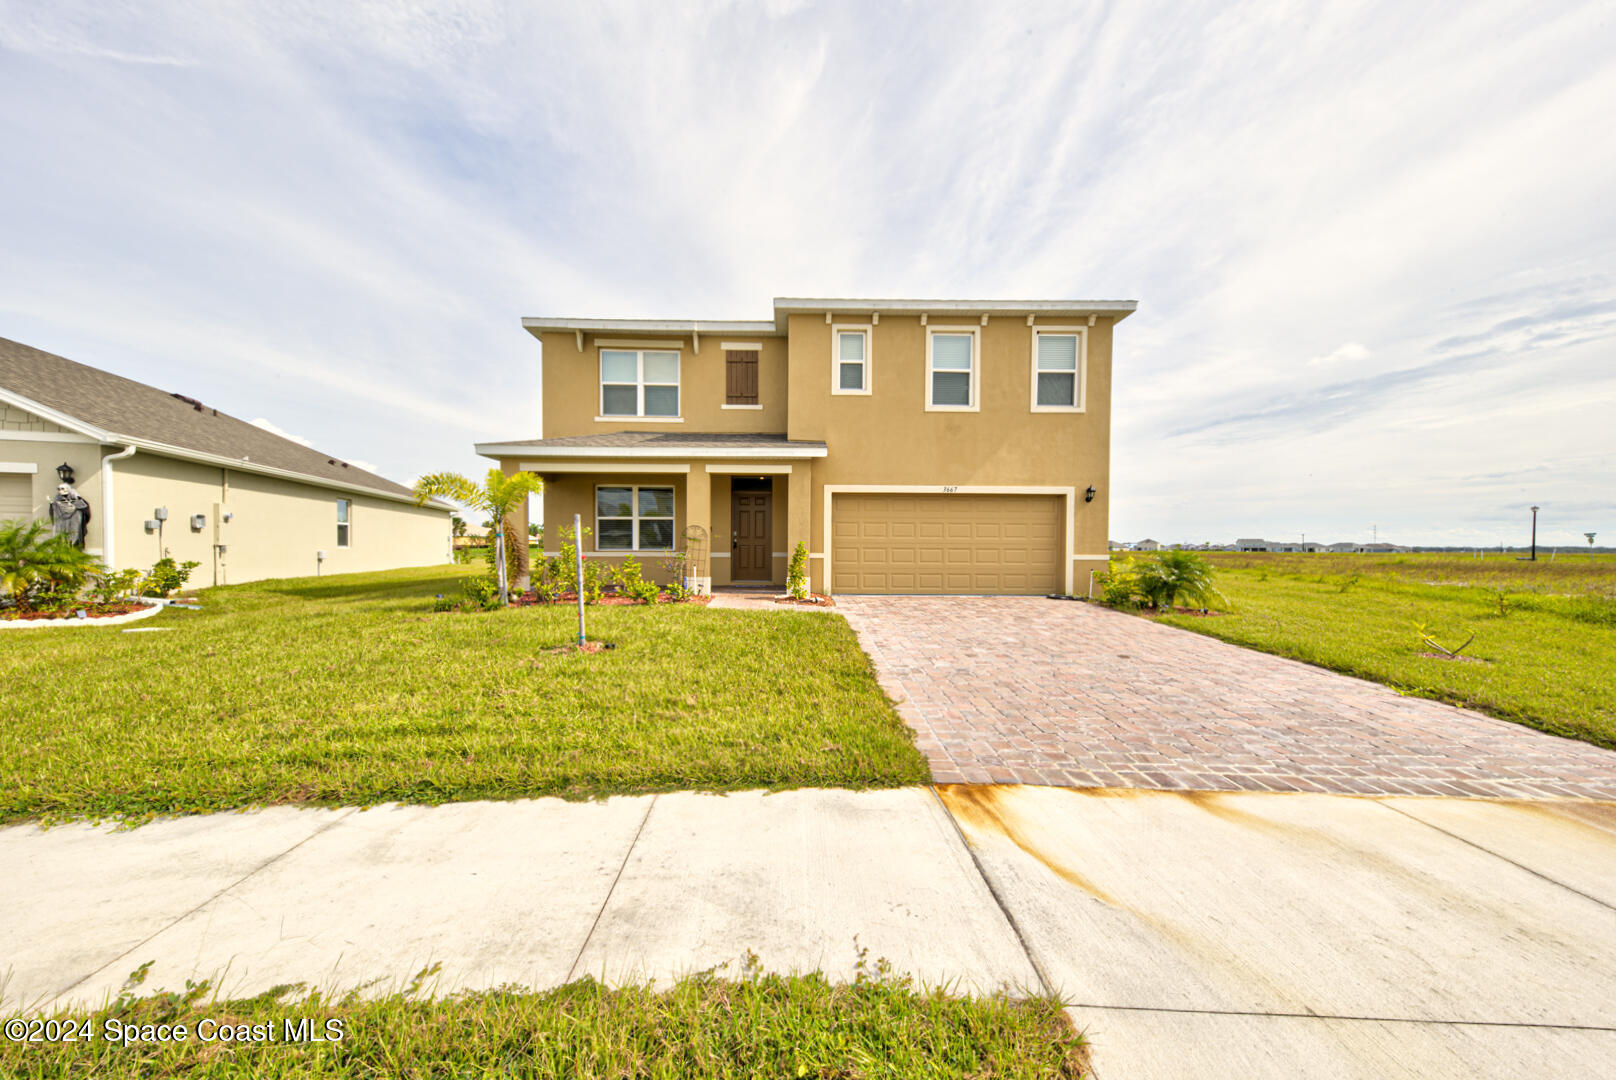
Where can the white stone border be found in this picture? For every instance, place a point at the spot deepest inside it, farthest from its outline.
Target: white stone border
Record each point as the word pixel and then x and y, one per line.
pixel 153 606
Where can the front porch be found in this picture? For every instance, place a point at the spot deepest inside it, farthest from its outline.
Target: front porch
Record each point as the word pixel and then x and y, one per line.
pixel 734 507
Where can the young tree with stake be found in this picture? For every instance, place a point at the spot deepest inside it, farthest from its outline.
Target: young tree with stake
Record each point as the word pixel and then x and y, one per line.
pixel 498 496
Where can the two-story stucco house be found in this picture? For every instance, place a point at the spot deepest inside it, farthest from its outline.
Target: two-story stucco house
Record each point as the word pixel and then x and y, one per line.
pixel 915 446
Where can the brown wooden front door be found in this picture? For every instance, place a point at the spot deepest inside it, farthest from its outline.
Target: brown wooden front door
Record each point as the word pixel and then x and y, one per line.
pixel 751 516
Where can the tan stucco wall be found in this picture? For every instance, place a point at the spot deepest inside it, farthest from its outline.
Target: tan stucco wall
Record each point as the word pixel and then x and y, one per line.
pixel 276 526
pixel 888 437
pixel 572 386
pixel 84 456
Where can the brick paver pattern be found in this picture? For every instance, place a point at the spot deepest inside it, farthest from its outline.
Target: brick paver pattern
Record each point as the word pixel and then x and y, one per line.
pixel 1035 691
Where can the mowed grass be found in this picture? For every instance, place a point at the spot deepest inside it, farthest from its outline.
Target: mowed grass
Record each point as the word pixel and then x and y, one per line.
pixel 1545 632
pixel 349 690
pixel 774 1026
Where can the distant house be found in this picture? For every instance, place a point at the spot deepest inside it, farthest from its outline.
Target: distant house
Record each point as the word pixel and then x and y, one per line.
pixel 1147 545
pixel 1252 544
pixel 1116 545
pixel 165 475
pixel 1354 547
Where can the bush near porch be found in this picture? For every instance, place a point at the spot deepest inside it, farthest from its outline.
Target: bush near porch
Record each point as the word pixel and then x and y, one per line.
pixel 348 690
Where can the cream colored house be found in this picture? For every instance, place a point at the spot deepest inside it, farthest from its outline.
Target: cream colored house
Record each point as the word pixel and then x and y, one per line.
pixel 914 446
pixel 167 475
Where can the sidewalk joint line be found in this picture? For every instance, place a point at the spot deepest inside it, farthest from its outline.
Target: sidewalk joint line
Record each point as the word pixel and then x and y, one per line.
pixel 1505 858
pixel 1334 1016
pixel 632 844
pixel 342 816
pixel 1015 927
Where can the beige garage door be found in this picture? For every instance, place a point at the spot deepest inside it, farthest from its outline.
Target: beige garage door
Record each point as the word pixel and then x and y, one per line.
pixel 946 544
pixel 16 495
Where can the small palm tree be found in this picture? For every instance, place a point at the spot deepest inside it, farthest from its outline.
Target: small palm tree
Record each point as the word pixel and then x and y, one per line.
pixel 1172 574
pixel 497 496
pixel 31 555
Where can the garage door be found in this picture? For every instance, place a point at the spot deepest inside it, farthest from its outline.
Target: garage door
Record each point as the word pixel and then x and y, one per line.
pixel 946 544
pixel 16 495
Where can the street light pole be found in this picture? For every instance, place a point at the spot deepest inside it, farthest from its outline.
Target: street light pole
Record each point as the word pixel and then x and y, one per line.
pixel 1534 534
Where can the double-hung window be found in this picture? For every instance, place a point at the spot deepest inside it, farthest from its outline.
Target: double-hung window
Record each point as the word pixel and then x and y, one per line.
pixel 633 518
pixel 639 382
pixel 951 370
pixel 344 513
pixel 850 360
pixel 1057 369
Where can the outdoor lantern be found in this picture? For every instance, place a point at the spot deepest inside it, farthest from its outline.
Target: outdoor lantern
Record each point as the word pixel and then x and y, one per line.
pixel 1088 496
pixel 65 471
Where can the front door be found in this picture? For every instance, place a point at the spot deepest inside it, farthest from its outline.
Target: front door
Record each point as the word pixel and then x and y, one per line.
pixel 751 516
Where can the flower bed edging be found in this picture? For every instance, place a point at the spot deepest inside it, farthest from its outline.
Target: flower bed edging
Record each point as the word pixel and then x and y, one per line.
pixel 151 606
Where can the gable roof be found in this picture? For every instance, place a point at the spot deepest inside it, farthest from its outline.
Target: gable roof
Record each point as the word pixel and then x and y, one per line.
pixel 114 409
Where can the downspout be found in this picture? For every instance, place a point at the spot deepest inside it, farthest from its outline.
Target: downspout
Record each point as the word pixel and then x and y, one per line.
pixel 107 522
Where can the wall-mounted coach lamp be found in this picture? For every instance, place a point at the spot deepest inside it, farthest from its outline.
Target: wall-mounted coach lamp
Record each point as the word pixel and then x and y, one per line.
pixel 1088 496
pixel 65 471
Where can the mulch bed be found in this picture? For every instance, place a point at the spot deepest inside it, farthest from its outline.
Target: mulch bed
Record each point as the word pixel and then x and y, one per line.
pixel 95 611
pixel 528 599
pixel 586 647
pixel 813 600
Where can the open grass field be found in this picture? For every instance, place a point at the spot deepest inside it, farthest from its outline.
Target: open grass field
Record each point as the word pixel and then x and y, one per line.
pixel 349 690
pixel 700 1028
pixel 1544 652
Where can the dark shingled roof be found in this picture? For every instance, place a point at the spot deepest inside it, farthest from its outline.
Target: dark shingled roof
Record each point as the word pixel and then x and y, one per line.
pixel 124 407
pixel 669 439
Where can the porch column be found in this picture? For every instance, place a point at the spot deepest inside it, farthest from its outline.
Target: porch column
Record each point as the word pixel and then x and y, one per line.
pixel 699 511
pixel 800 516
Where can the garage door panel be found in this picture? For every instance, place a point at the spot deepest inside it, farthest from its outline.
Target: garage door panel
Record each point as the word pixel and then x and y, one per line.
pixel 929 543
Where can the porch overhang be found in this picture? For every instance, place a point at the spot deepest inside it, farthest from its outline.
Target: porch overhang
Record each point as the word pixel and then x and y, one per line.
pixel 629 446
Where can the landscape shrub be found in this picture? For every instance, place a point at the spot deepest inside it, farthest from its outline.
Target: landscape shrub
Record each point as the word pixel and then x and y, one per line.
pixel 630 582
pixel 1120 585
pixel 674 566
pixel 110 587
pixel 166 576
pixel 38 566
pixel 1162 580
pixel 797 573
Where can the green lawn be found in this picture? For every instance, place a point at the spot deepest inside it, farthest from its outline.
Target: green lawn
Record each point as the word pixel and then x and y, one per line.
pixel 703 1027
pixel 1548 654
pixel 349 690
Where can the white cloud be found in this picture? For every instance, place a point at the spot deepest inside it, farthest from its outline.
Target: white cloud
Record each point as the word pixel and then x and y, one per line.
pixel 1373 249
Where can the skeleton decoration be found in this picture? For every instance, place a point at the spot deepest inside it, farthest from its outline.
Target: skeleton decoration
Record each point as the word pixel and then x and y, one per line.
pixel 70 514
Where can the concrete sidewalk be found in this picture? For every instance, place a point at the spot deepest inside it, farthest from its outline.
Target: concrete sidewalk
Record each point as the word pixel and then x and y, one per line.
pixel 1192 934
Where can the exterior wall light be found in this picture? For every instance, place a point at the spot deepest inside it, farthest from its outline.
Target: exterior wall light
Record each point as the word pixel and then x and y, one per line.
pixel 1088 496
pixel 65 471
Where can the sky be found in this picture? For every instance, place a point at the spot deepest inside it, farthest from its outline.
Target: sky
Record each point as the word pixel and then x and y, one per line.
pixel 1373 245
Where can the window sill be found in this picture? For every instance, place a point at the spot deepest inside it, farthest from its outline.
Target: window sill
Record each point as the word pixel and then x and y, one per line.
pixel 953 408
pixel 836 392
pixel 727 406
pixel 636 552
pixel 1058 408
pixel 639 419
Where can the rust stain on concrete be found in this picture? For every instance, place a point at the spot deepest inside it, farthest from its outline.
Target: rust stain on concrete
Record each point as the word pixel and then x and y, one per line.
pixel 984 809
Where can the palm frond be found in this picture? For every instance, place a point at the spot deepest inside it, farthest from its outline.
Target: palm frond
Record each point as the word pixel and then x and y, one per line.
pixel 451 486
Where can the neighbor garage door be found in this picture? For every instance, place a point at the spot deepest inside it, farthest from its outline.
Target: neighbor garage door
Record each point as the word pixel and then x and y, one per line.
pixel 946 543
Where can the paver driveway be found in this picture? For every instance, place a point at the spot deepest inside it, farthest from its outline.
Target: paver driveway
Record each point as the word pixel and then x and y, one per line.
pixel 1035 691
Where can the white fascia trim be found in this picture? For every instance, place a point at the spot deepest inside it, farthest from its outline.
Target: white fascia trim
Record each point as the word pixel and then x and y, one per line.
pixel 539 324
pixel 19 466
pixel 660 468
pixel 637 343
pixel 760 470
pixel 1068 493
pixel 497 450
pixel 55 416
pixel 266 470
pixel 790 305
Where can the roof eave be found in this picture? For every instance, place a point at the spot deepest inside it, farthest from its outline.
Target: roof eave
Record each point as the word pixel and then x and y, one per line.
pixel 1116 310
pixel 659 453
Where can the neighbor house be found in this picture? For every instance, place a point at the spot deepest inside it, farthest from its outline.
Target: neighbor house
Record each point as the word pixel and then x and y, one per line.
pixel 912 446
pixel 165 474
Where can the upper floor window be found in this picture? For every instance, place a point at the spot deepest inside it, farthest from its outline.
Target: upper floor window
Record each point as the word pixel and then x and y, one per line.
pixel 741 376
pixel 1058 369
pixel 344 511
pixel 951 370
pixel 639 382
pixel 850 360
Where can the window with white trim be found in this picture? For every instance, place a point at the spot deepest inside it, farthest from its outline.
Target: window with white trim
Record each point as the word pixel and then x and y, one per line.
pixel 951 370
pixel 1057 375
pixel 639 382
pixel 850 360
pixel 631 518
pixel 344 525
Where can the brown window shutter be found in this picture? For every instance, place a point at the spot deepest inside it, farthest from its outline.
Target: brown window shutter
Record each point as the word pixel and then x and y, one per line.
pixel 740 378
